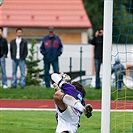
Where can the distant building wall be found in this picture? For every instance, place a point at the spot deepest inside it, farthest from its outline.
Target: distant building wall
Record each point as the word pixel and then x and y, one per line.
pixel 68 36
pixel 73 51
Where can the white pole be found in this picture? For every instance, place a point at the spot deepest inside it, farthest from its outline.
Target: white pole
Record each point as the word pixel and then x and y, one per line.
pixel 5 31
pixel 106 81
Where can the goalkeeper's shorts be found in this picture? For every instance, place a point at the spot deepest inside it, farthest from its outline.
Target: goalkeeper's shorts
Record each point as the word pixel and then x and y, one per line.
pixel 68 120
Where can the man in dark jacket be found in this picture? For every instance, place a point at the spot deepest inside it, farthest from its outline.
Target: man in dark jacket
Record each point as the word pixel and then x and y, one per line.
pixel 3 55
pixel 51 49
pixel 19 51
pixel 97 42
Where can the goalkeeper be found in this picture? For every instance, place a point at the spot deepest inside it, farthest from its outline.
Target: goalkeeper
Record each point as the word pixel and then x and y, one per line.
pixel 69 103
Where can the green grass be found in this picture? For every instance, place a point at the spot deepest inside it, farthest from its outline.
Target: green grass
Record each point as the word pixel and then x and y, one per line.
pixel 39 92
pixel 27 122
pixel 44 122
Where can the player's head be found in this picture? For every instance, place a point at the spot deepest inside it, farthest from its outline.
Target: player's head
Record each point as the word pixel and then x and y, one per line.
pixel 1 30
pixel 117 59
pixel 100 31
pixel 79 87
pixel 19 32
pixel 51 32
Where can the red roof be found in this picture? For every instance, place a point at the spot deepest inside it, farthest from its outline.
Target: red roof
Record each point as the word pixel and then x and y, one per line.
pixel 44 13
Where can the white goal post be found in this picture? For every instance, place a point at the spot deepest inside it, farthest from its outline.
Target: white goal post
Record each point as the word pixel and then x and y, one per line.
pixel 106 77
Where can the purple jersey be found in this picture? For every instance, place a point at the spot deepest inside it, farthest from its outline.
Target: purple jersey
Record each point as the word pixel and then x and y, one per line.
pixel 72 91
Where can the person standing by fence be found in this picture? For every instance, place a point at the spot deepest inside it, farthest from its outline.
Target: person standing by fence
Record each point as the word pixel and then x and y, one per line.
pixel 51 48
pixel 19 51
pixel 3 56
pixel 97 42
pixel 119 71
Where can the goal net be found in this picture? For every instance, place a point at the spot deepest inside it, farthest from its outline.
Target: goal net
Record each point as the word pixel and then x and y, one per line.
pixel 117 103
pixel 122 49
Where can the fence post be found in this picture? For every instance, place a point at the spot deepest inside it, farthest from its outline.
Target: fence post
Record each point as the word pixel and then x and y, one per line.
pixel 81 64
pixel 70 70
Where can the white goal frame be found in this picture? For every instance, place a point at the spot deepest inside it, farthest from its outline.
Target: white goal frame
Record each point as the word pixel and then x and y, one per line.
pixel 106 77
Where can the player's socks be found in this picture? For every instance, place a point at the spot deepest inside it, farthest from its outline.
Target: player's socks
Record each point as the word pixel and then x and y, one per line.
pixel 71 101
pixel 57 78
pixel 65 77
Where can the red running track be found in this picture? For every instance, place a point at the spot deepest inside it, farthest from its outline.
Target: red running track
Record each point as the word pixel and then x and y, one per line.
pixel 49 104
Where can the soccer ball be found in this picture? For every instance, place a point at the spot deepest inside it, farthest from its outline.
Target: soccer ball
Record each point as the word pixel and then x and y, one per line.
pixel 128 82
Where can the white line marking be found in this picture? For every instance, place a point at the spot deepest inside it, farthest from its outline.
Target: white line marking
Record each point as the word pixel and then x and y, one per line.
pixel 53 109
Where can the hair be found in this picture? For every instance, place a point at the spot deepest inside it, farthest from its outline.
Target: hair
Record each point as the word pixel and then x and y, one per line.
pixel 1 28
pixel 19 29
pixel 79 87
pixel 100 29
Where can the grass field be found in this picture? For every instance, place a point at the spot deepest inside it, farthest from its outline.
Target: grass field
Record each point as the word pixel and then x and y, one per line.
pixel 44 122
pixel 39 92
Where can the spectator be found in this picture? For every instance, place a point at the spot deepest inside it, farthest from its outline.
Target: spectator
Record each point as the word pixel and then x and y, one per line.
pixel 51 48
pixel 119 71
pixel 19 51
pixel 97 42
pixel 3 55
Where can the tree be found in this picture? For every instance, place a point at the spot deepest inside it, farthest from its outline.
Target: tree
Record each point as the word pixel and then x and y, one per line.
pixel 122 22
pixel 33 71
pixel 94 10
pixel 122 18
